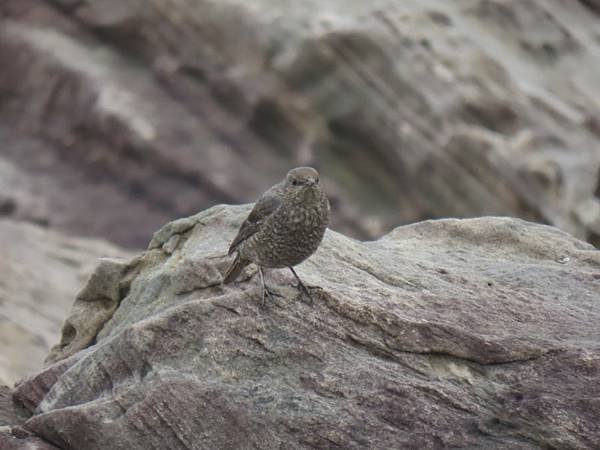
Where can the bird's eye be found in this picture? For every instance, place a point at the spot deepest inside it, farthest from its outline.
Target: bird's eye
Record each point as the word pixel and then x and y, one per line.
pixel 295 182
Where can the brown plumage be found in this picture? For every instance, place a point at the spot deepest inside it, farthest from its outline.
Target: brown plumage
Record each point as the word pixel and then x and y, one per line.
pixel 284 228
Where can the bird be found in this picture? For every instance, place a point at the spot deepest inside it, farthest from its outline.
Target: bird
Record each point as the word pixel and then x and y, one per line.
pixel 285 227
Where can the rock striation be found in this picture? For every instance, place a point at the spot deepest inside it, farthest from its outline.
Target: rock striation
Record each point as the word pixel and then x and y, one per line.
pixel 478 333
pixel 413 110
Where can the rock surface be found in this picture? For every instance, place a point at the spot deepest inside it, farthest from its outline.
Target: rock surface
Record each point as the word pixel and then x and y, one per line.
pixel 40 273
pixel 479 333
pixel 12 435
pixel 414 109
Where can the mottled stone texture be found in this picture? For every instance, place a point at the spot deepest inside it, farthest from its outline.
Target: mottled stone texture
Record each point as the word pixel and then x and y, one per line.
pixel 411 109
pixel 12 435
pixel 479 333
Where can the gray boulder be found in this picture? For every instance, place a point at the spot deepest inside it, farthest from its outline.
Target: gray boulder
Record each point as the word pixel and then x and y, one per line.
pixel 479 333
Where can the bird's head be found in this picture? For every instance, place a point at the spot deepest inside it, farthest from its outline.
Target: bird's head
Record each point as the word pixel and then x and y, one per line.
pixel 302 177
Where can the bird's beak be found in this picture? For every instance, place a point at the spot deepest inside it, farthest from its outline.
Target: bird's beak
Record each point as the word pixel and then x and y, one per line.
pixel 311 181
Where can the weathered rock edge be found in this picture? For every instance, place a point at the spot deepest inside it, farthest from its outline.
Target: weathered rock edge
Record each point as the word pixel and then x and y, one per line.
pixel 474 333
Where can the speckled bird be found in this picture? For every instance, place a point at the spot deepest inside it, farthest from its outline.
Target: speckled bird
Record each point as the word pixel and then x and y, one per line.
pixel 285 227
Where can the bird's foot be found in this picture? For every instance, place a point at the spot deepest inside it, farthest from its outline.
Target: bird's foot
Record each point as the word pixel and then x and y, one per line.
pixel 302 287
pixel 305 291
pixel 270 294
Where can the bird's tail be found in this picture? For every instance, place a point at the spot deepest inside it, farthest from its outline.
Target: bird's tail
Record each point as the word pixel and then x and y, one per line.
pixel 235 268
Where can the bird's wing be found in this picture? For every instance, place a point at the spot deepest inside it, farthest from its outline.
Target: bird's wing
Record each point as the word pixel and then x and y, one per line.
pixel 263 208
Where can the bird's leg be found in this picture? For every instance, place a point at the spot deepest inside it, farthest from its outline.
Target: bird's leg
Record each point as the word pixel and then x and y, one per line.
pixel 301 285
pixel 266 292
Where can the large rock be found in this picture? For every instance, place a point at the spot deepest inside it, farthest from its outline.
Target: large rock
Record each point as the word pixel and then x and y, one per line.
pixel 478 333
pixel 40 273
pixel 414 109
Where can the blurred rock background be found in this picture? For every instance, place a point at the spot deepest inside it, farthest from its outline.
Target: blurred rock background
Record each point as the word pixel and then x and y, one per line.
pixel 117 116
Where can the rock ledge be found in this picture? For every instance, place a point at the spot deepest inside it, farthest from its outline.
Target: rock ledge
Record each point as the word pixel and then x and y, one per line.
pixel 477 333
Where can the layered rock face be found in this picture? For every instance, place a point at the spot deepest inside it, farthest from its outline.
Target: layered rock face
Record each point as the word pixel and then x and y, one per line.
pixel 415 109
pixel 479 333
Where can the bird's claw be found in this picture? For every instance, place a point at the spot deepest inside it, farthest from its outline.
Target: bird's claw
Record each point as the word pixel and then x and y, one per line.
pixel 305 291
pixel 267 292
pixel 302 287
